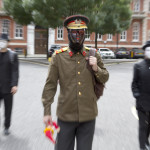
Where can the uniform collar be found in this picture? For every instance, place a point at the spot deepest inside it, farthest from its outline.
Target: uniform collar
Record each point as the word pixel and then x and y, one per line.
pixel 83 52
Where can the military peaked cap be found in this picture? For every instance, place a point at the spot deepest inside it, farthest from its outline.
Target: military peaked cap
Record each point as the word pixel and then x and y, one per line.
pixel 4 37
pixel 147 44
pixel 76 22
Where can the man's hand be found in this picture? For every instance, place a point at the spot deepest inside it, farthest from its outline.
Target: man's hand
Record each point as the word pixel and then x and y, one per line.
pixel 14 89
pixel 93 63
pixel 47 119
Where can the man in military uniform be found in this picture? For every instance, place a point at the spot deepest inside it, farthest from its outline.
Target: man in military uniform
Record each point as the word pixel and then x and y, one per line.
pixel 77 102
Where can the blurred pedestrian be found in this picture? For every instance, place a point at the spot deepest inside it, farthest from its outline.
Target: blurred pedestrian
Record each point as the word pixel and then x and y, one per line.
pixel 141 91
pixel 8 79
pixel 77 102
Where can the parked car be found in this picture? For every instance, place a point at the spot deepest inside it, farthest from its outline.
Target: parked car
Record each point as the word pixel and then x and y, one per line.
pixel 122 53
pixel 136 53
pixel 52 49
pixel 106 53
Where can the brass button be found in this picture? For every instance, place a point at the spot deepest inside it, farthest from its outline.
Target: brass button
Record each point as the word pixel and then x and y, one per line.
pixel 80 93
pixel 78 72
pixel 78 62
pixel 79 83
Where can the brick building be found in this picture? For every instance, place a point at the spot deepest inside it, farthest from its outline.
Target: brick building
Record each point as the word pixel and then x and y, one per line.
pixel 34 39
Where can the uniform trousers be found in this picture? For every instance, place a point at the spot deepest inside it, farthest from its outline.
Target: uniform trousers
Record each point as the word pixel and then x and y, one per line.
pixel 8 101
pixel 82 131
pixel 144 127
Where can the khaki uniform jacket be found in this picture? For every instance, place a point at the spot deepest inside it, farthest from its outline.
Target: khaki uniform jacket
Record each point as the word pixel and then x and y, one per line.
pixel 77 100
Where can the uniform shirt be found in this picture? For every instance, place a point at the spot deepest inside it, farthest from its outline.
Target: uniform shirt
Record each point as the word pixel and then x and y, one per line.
pixel 77 100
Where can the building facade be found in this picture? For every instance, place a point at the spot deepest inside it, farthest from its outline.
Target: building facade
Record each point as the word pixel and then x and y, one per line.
pixel 34 39
pixel 137 34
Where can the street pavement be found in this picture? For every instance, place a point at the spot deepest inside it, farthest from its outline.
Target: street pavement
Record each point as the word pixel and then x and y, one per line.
pixel 116 126
pixel 43 60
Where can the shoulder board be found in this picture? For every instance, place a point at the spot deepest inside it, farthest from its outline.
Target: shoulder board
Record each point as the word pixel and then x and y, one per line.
pixel 61 50
pixel 87 48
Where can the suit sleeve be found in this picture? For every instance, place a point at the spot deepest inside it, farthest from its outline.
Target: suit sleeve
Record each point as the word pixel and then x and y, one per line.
pixel 50 86
pixel 102 74
pixel 135 82
pixel 15 71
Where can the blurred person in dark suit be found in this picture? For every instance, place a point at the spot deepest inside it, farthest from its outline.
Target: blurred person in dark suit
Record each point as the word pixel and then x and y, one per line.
pixel 141 91
pixel 8 78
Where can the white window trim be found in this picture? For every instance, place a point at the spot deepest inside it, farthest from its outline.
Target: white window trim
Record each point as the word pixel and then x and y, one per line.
pixel 122 40
pixel 19 38
pixel 87 39
pixel 109 35
pixel 60 28
pixel 135 3
pixel 136 40
pixel 8 27
pixel 99 39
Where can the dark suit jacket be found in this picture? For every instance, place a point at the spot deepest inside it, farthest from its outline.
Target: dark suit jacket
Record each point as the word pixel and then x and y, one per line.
pixel 9 72
pixel 141 85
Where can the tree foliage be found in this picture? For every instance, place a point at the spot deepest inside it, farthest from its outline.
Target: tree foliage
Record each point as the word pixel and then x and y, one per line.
pixel 106 16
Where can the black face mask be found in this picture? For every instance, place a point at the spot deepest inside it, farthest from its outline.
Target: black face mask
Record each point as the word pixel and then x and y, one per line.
pixel 76 38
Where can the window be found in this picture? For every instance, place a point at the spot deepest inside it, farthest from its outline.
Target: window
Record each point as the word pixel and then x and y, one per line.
pixel 18 31
pixel 123 36
pixel 5 26
pixel 136 6
pixel 87 35
pixel 60 33
pixel 99 37
pixel 109 37
pixel 136 31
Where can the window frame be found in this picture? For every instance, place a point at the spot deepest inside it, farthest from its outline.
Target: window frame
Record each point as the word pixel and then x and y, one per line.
pixel 60 32
pixel 109 37
pixel 98 37
pixel 123 34
pixel 136 33
pixel 136 6
pixel 20 37
pixel 3 29
pixel 87 35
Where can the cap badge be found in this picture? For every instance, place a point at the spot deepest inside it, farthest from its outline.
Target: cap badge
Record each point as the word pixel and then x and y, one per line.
pixel 78 21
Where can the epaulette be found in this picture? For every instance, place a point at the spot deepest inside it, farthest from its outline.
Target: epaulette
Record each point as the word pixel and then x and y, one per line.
pixel 87 48
pixel 61 50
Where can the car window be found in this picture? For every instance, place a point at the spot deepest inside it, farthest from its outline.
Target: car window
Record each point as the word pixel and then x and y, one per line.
pixel 55 47
pixel 122 49
pixel 104 50
pixel 135 49
pixel 140 50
